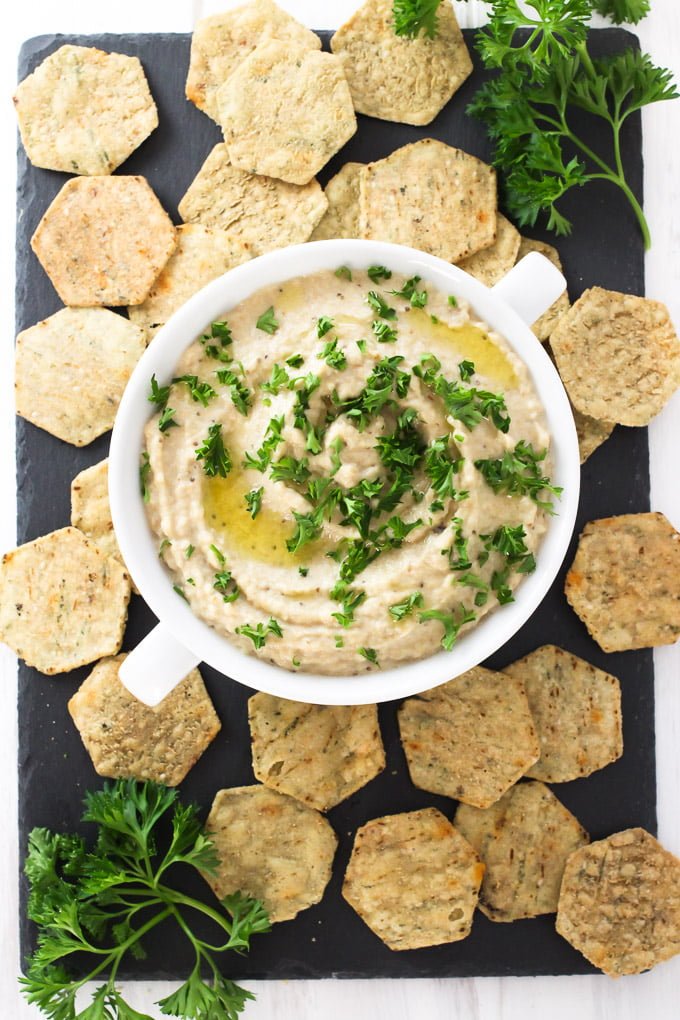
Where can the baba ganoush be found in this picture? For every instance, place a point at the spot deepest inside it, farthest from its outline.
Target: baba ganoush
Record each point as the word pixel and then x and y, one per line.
pixel 347 472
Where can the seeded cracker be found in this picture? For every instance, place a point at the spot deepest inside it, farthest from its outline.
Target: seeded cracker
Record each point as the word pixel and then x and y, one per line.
pixel 342 192
pixel 430 196
pixel 271 847
pixel 90 509
pixel 413 879
pixel 624 582
pixel 104 240
pixel 620 903
pixel 544 326
pixel 201 255
pixel 221 42
pixel 71 370
pixel 577 713
pixel 285 111
pixel 491 264
pixel 591 433
pixel 319 754
pixel 84 111
pixel 127 740
pixel 524 840
pixel 63 603
pixel 618 356
pixel 400 79
pixel 260 212
pixel 470 738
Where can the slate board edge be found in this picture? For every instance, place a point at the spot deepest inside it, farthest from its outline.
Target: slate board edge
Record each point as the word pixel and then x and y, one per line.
pixel 296 968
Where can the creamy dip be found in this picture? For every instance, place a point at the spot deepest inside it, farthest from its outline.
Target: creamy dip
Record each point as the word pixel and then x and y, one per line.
pixel 344 478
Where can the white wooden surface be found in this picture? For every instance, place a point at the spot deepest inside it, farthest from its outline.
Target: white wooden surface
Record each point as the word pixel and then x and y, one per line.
pixel 590 998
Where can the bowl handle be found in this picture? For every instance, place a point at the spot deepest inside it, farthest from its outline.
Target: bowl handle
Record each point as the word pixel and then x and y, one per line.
pixel 155 666
pixel 531 287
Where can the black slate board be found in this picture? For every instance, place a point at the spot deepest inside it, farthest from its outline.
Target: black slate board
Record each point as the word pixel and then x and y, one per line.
pixel 54 769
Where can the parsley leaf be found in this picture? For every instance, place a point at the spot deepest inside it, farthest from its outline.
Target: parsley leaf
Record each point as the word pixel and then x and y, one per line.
pixel 166 420
pixel 417 298
pixel 240 394
pixel 380 306
pixel 201 392
pixel 289 469
pixel 295 361
pixel 369 654
pixel 214 454
pixel 158 394
pixel 323 325
pixel 259 634
pixel 261 460
pixel 333 357
pixel 267 321
pixel 378 273
pixel 343 273
pixel 623 11
pixel 517 473
pixel 254 501
pixel 413 17
pixel 278 378
pixel 399 610
pixel 384 332
pixel 466 369
pixel 220 332
pixel 144 472
pixel 450 622
pixel 225 584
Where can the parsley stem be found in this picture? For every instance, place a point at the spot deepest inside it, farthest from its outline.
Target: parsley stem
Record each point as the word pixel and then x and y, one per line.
pixel 187 901
pixel 585 59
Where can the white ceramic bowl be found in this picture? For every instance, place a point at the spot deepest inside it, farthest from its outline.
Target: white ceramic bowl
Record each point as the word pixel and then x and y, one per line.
pixel 181 640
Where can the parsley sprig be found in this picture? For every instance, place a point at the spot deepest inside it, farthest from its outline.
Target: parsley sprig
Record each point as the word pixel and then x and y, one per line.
pixel 213 453
pixel 546 72
pixel 103 902
pixel 415 17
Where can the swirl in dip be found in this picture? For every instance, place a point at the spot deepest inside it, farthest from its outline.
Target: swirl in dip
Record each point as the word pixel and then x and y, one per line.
pixel 347 472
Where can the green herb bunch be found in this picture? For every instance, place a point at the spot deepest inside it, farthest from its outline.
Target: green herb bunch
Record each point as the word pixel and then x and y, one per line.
pixel 95 906
pixel 546 75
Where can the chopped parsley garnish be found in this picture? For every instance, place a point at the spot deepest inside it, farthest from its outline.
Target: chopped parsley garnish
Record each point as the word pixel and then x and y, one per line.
pixel 306 387
pixel 517 473
pixel 458 553
pixel 339 641
pixel 225 584
pixel 378 273
pixel 335 448
pixel 369 654
pixel 267 321
pixel 324 325
pixel 400 610
pixel 191 581
pixel 240 394
pixel 417 298
pixel 295 361
pixel 441 469
pixel 278 378
pixel 413 17
pixel 144 472
pixel 499 585
pixel 159 394
pixel 163 546
pixel 307 528
pixel 380 306
pixel 220 332
pixel 465 403
pixel 466 370
pixel 475 581
pixel 384 332
pixel 254 501
pixel 219 556
pixel 343 273
pixel 189 552
pixel 303 571
pixel 361 344
pixel 450 622
pixel 166 420
pixel 261 460
pixel 259 634
pixel 214 454
pixel 201 392
pixel 351 600
pixel 332 356
pixel 289 469
pixel 453 301
pixel 180 591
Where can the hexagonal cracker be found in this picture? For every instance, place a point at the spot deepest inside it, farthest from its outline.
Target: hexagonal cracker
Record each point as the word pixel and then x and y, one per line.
pixel 400 79
pixel 104 240
pixel 544 326
pixel 87 353
pixel 591 433
pixel 84 111
pixel 127 740
pixel 261 212
pixel 63 603
pixel 524 840
pixel 222 41
pixel 342 216
pixel 319 754
pixel 491 264
pixel 470 738
pixel 413 879
pixel 202 254
pixel 624 582
pixel 618 356
pixel 620 903
pixel 285 111
pixel 271 847
pixel 577 713
pixel 430 196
